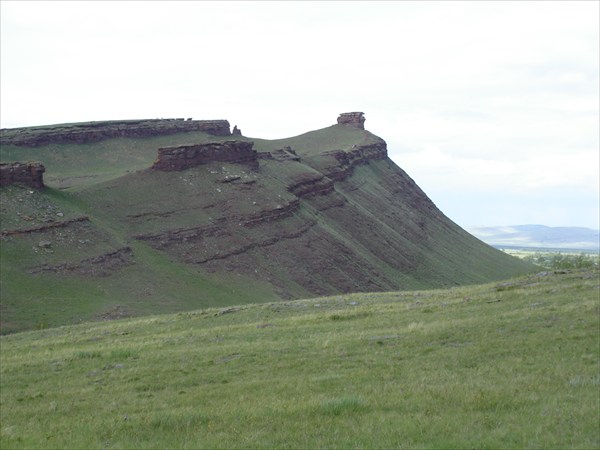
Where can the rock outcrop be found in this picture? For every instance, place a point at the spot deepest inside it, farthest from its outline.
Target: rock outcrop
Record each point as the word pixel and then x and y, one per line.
pixel 345 161
pixel 44 228
pixel 98 266
pixel 355 119
pixel 98 131
pixel 310 185
pixel 29 174
pixel 186 156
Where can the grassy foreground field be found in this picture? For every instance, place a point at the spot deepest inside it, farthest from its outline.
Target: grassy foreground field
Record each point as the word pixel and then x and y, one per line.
pixel 511 364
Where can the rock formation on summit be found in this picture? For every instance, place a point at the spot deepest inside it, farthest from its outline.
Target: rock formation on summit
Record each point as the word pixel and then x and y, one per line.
pixel 355 119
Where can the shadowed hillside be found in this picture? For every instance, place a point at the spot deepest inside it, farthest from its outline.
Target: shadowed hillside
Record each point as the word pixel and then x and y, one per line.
pixel 132 223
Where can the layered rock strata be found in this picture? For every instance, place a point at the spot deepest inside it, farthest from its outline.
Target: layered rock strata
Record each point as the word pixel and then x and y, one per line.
pixel 310 185
pixel 187 156
pixel 29 174
pixel 45 227
pixel 98 131
pixel 99 266
pixel 346 161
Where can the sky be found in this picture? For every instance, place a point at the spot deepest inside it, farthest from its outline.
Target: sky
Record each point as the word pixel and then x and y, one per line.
pixel 491 107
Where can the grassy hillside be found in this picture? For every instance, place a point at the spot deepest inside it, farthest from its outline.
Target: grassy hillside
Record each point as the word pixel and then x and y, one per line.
pixel 45 280
pixel 74 165
pixel 324 213
pixel 511 364
pixel 317 142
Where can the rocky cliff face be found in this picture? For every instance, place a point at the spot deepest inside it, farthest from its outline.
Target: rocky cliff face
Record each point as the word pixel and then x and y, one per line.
pixel 98 131
pixel 29 174
pixel 187 156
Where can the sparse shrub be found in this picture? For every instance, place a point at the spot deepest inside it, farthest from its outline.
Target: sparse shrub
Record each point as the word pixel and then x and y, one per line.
pixel 564 261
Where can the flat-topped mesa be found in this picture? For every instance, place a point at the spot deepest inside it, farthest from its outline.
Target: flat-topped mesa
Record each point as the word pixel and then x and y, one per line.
pixel 83 133
pixel 29 174
pixel 354 119
pixel 187 156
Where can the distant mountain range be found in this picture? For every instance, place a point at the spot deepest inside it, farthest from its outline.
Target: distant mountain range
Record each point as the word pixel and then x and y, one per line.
pixel 539 236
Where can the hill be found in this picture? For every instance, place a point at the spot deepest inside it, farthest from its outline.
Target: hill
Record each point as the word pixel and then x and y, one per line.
pixel 511 364
pixel 539 236
pixel 142 217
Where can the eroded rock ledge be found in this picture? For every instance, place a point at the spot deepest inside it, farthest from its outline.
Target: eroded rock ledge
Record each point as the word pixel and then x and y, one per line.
pixel 29 174
pixel 97 131
pixel 99 266
pixel 311 185
pixel 186 156
pixel 346 161
pixel 44 228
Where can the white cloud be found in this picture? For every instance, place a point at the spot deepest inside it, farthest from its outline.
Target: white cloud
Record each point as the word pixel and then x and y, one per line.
pixel 576 170
pixel 499 95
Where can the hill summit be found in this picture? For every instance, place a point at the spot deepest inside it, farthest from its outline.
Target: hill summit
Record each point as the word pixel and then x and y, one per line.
pixel 151 216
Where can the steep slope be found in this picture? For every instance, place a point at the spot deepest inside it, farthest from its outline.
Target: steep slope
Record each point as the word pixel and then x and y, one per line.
pixel 322 213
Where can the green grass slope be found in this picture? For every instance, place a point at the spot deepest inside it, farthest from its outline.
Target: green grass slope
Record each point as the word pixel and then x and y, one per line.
pixel 110 237
pixel 74 165
pixel 512 364
pixel 317 142
pixel 55 276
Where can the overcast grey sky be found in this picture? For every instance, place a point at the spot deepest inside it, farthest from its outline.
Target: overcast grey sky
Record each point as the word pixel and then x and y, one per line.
pixel 491 107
